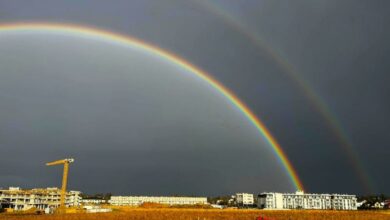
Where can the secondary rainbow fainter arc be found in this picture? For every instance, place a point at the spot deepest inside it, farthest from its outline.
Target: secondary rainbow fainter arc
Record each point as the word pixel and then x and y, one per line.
pixel 130 41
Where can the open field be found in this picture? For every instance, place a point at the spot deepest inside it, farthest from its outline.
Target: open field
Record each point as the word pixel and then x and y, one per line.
pixel 207 214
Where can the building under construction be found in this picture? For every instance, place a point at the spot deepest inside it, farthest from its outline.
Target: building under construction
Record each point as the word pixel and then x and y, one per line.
pixel 24 199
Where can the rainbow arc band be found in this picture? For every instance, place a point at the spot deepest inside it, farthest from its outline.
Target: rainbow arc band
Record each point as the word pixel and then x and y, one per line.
pixel 315 99
pixel 136 43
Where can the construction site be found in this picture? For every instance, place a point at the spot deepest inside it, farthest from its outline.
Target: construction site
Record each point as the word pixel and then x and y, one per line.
pixel 49 200
pixel 17 199
pixel 58 200
pixel 58 203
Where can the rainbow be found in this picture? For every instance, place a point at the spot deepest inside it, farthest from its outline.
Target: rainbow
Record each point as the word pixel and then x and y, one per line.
pixel 136 43
pixel 315 99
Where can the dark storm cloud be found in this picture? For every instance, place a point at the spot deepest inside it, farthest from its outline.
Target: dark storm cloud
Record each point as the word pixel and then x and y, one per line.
pixel 341 48
pixel 142 125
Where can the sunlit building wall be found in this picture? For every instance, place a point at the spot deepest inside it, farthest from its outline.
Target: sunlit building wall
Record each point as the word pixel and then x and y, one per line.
pixel 93 201
pixel 138 200
pixel 300 200
pixel 24 199
pixel 244 199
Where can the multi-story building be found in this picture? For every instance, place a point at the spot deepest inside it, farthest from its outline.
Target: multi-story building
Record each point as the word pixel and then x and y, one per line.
pixel 22 199
pixel 270 201
pixel 300 200
pixel 244 199
pixel 139 200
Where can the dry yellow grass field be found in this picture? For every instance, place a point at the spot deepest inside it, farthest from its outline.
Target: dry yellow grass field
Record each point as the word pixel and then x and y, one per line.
pixel 206 214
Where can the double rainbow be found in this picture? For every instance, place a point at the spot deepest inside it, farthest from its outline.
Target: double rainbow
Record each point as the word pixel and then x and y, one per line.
pixel 136 43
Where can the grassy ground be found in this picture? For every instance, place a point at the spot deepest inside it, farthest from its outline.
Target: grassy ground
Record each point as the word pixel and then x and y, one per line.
pixel 207 214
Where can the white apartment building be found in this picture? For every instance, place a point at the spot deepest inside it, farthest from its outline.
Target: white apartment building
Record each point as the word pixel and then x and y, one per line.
pixel 301 200
pixel 22 199
pixel 245 199
pixel 139 200
pixel 93 201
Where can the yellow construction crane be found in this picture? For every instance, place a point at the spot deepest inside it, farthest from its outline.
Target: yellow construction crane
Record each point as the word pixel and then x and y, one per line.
pixel 66 163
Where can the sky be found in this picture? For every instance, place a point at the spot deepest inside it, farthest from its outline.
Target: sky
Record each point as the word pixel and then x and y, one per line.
pixel 314 72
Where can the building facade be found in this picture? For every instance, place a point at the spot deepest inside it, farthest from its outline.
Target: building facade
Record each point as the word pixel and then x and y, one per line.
pixel 245 199
pixel 139 200
pixel 24 199
pixel 301 200
pixel 93 201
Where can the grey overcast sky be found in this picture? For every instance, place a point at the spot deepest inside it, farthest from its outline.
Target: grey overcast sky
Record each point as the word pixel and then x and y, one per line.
pixel 137 124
